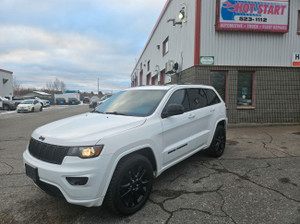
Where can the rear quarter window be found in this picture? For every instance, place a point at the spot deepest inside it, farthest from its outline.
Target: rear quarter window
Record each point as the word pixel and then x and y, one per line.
pixel 212 97
pixel 197 98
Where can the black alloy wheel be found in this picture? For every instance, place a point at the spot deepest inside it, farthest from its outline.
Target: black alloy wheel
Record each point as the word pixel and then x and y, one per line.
pixel 130 186
pixel 218 143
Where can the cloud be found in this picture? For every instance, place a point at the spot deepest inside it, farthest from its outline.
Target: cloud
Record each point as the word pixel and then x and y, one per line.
pixel 76 41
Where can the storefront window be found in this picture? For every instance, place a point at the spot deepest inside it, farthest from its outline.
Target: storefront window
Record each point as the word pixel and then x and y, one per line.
pixel 245 89
pixel 218 80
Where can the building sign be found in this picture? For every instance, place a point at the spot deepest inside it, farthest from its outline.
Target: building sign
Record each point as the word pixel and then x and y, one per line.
pixel 207 60
pixel 296 60
pixel 253 15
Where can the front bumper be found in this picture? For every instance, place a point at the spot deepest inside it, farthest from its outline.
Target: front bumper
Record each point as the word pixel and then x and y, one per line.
pixel 23 110
pixel 52 177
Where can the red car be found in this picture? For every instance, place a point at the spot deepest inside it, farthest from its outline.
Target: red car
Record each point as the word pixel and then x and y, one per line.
pixel 86 100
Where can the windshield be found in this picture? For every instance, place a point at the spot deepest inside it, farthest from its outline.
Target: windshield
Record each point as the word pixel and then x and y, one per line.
pixel 27 102
pixel 140 103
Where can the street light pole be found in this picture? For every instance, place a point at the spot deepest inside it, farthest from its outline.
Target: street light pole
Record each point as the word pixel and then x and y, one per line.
pixel 98 87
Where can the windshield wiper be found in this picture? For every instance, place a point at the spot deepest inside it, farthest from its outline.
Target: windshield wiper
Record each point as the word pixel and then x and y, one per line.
pixel 99 112
pixel 116 113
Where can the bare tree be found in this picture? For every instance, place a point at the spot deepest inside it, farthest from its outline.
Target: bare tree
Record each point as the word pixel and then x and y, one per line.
pixel 17 87
pixel 62 86
pixel 56 85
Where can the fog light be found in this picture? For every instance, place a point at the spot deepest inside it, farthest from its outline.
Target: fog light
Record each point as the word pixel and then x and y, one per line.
pixel 77 180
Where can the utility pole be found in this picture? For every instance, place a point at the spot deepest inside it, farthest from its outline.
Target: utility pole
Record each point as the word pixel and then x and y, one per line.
pixel 98 87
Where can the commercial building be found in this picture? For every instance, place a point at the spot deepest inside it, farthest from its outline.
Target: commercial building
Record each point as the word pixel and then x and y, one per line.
pixel 6 84
pixel 249 50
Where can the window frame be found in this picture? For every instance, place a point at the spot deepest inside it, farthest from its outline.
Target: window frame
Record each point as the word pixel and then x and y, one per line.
pixel 148 66
pixel 187 94
pixel 252 106
pixel 226 83
pixel 164 49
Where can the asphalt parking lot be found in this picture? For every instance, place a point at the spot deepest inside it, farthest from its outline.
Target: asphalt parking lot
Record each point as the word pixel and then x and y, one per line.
pixel 257 180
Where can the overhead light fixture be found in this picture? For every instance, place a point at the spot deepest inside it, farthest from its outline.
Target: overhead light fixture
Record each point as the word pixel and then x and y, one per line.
pixel 181 14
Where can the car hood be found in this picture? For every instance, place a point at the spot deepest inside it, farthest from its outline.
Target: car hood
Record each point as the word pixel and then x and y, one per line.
pixel 24 105
pixel 85 129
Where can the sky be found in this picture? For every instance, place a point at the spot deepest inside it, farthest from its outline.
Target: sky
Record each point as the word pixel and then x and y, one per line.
pixel 76 41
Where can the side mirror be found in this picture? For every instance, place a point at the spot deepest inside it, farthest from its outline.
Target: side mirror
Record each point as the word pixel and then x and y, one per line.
pixel 172 110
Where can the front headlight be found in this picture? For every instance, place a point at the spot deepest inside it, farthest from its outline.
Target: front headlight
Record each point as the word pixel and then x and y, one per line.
pixel 86 152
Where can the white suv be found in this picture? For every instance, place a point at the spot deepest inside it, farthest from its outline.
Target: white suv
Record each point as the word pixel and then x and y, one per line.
pixel 112 154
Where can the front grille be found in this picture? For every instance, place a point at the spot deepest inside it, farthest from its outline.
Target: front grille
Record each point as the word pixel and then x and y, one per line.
pixel 46 152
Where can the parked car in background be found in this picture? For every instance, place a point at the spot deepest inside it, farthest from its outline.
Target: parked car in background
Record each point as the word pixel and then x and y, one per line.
pixel 104 98
pixel 17 99
pixel 93 101
pixel 29 106
pixel 6 104
pixel 60 101
pixel 95 104
pixel 86 100
pixel 73 101
pixel 45 103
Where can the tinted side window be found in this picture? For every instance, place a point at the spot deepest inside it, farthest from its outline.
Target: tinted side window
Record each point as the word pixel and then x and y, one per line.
pixel 212 97
pixel 197 98
pixel 179 97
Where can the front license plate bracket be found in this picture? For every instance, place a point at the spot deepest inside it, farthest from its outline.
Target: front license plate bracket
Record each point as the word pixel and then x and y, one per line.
pixel 32 173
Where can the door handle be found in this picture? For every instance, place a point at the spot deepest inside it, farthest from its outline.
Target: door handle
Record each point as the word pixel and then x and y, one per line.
pixel 212 110
pixel 191 116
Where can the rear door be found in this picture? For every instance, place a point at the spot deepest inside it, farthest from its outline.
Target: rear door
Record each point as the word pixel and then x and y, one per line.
pixel 202 116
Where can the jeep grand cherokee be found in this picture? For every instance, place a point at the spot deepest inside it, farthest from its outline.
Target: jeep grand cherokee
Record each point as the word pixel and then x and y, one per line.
pixel 112 154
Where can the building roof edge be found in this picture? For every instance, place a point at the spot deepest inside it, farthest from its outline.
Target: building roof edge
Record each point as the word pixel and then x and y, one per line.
pixel 153 30
pixel 2 70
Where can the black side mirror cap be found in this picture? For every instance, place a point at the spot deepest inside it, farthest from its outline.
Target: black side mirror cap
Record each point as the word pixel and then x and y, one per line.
pixel 172 110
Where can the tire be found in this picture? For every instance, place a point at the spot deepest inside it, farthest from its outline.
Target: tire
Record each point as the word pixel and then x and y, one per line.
pixel 32 109
pixel 217 146
pixel 41 109
pixel 5 107
pixel 130 185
